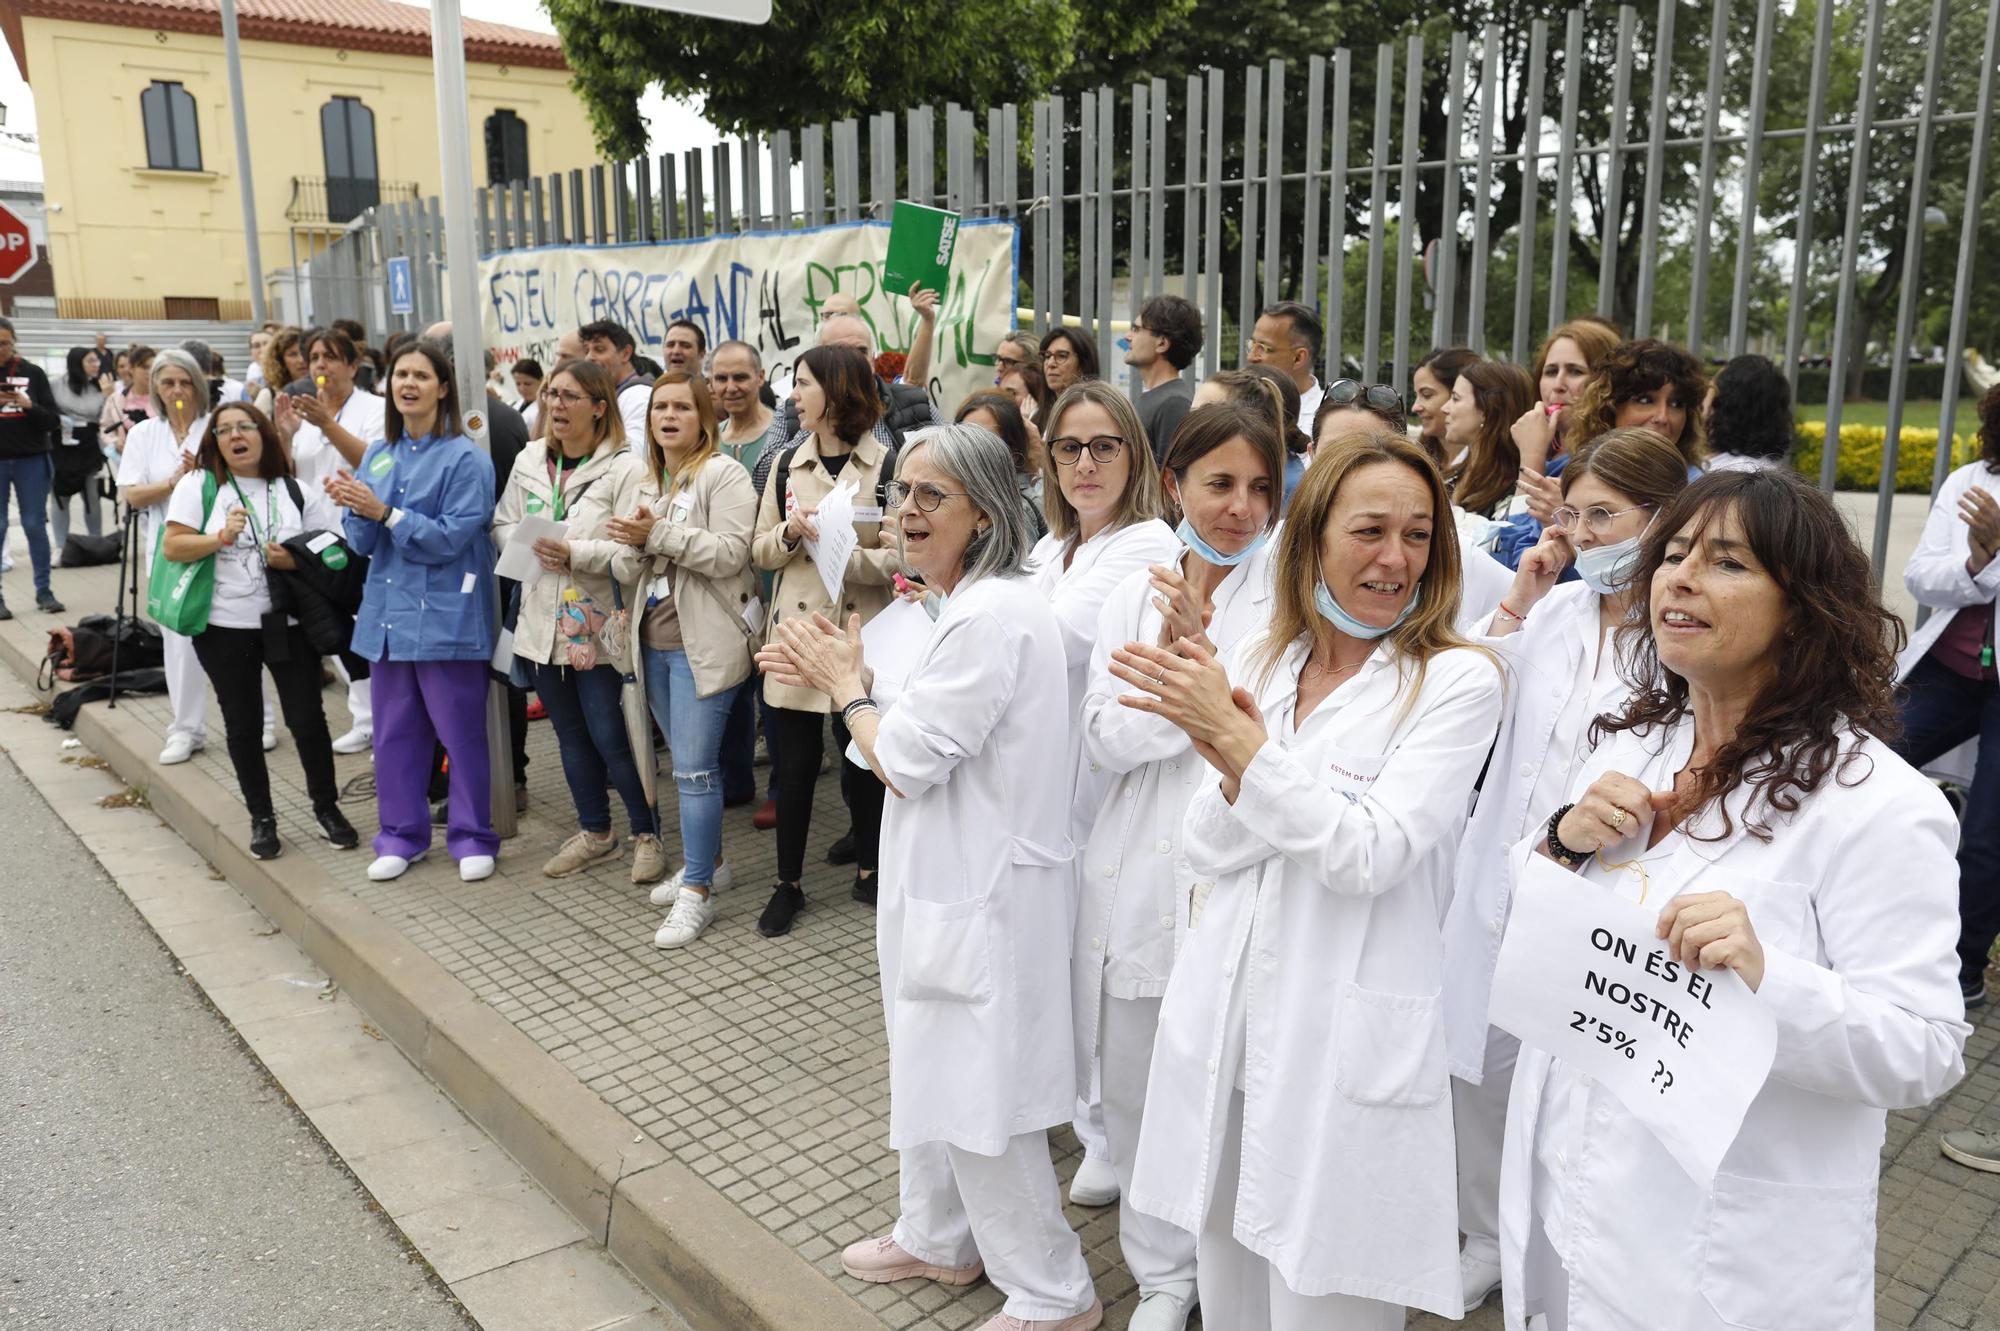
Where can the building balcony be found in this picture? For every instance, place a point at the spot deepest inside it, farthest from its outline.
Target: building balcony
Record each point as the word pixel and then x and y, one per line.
pixel 338 200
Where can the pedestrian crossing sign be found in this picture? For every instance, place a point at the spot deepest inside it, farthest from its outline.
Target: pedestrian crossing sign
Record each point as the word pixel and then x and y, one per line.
pixel 401 297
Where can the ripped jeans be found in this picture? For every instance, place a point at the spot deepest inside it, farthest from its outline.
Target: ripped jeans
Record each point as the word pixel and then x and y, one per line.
pixel 693 727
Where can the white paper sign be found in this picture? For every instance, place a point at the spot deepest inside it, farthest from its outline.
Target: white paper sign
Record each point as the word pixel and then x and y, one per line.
pixel 835 519
pixel 892 643
pixel 518 560
pixel 1581 976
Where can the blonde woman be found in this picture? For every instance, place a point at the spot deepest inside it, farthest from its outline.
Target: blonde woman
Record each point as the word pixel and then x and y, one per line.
pixel 1298 1115
pixel 684 549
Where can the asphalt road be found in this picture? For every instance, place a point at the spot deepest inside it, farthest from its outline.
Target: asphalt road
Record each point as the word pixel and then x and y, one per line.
pixel 151 1173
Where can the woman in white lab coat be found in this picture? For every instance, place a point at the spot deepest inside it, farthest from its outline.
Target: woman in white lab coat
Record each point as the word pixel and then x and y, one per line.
pixel 1953 699
pixel 1747 794
pixel 1223 478
pixel 973 920
pixel 1557 642
pixel 1298 1116
pixel 1104 526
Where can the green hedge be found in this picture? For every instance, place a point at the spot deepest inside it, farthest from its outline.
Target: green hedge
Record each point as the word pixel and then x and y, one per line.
pixel 1860 466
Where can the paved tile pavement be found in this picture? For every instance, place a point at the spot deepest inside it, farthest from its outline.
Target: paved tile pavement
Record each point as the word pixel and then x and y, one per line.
pixel 761 1064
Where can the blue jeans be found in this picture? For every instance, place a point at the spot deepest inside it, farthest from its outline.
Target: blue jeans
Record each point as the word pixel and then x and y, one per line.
pixel 590 731
pixel 693 727
pixel 1942 710
pixel 31 479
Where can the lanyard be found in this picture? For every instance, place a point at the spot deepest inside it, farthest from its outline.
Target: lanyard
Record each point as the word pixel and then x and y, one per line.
pixel 250 513
pixel 556 473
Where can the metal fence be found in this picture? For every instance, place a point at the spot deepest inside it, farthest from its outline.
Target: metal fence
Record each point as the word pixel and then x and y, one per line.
pixel 1291 205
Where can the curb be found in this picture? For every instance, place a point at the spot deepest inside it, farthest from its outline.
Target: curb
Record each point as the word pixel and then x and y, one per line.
pixel 680 1238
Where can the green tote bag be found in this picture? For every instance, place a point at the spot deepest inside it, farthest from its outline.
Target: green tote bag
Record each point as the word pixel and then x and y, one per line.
pixel 178 596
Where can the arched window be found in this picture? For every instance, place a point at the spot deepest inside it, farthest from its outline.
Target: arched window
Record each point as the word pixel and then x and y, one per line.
pixel 352 184
pixel 173 141
pixel 506 148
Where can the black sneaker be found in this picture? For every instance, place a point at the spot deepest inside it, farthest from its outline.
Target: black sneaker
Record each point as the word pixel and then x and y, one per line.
pixel 340 833
pixel 264 843
pixel 520 797
pixel 1974 992
pixel 47 603
pixel 785 904
pixel 864 890
pixel 841 851
pixel 5 613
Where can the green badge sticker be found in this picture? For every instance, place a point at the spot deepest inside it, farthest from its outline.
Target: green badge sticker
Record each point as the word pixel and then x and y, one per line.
pixel 534 505
pixel 334 557
pixel 383 461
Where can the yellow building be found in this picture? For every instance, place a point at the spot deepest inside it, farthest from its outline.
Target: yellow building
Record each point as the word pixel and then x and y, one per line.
pixel 139 151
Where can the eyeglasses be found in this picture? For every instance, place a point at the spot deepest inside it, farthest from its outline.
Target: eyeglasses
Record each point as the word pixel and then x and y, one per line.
pixel 1597 517
pixel 1057 357
pixel 1263 348
pixel 564 396
pixel 1006 362
pixel 237 427
pixel 1375 397
pixel 929 498
pixel 1104 448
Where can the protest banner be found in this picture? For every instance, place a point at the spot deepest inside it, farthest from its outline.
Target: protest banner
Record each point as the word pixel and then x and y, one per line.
pixel 766 288
pixel 1581 976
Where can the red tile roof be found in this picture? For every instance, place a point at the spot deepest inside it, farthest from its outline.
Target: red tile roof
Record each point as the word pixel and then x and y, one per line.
pixel 355 25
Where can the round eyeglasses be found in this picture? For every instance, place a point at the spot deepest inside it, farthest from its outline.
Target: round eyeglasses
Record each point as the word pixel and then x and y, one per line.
pixel 1103 449
pixel 1595 518
pixel 928 497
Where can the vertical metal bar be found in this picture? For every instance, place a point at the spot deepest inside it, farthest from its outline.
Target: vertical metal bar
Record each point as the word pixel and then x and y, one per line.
pixel 1086 215
pixel 1274 178
pixel 253 252
pixel 1246 248
pixel 1795 314
pixel 1850 245
pixel 1191 220
pixel 1753 169
pixel 882 162
pixel 648 220
pixel 1407 229
pixel 1968 239
pixel 558 228
pixel 1482 207
pixel 1336 216
pixel 1378 171
pixel 1444 275
pixel 483 224
pixel 1107 107
pixel 1212 225
pixel 1526 232
pixel 670 195
pixel 1315 136
pixel 996 136
pixel 539 203
pixel 1007 163
pixel 1614 174
pixel 597 231
pixel 579 235
pixel 846 170
pixel 781 181
pixel 1656 152
pixel 1704 195
pixel 812 147
pixel 923 156
pixel 1906 298
pixel 1565 169
pixel 725 194
pixel 749 160
pixel 621 200
pixel 953 180
pixel 1039 209
pixel 1156 202
pixel 1058 260
pixel 697 194
pixel 1142 237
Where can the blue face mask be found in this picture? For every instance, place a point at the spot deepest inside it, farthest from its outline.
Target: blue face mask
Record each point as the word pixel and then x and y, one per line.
pixel 1323 602
pixel 1193 541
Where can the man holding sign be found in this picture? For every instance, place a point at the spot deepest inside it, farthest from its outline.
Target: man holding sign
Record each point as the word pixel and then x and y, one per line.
pixel 1724 968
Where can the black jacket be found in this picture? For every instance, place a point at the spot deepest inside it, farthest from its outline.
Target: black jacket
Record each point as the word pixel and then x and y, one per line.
pixel 24 433
pixel 905 407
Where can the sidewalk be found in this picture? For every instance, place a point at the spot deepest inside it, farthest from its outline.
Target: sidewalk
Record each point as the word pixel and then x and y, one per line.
pixel 759 1065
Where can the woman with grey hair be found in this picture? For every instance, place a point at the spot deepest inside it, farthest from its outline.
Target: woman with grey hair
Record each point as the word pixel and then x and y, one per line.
pixel 973 941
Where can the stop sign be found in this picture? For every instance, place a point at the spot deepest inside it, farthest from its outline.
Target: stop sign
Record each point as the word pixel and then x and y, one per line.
pixel 17 247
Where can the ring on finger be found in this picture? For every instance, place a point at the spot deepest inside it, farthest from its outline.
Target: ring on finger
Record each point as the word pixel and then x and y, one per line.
pixel 1618 818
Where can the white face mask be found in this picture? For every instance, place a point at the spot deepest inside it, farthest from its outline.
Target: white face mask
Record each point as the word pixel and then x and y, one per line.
pixel 1606 569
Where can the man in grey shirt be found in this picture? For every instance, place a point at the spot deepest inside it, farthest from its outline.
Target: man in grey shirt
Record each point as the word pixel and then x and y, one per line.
pixel 1165 339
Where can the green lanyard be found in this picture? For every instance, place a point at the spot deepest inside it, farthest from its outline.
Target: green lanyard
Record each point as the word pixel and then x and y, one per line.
pixel 556 470
pixel 270 510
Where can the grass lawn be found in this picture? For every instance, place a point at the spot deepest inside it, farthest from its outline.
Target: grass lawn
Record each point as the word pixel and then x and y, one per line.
pixel 1918 412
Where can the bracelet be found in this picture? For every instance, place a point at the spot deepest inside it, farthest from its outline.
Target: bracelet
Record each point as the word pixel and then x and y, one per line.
pixel 1518 619
pixel 1560 853
pixel 862 704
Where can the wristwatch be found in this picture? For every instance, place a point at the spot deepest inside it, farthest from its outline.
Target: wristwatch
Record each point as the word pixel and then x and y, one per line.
pixel 1561 854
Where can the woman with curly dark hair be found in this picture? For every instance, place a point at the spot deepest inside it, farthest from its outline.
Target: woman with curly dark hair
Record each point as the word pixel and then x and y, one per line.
pixel 1748 416
pixel 1952 703
pixel 1647 383
pixel 1748 794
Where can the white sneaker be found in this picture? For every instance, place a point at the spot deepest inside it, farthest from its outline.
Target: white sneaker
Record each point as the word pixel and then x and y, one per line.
pixel 270 738
pixel 1095 1183
pixel 179 749
pixel 691 914
pixel 669 892
pixel 474 868
pixel 355 741
pixel 1479 1275
pixel 387 867
pixel 1161 1311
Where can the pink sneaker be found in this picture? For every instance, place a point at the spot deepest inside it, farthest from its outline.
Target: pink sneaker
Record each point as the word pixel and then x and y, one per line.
pixel 1087 1320
pixel 881 1261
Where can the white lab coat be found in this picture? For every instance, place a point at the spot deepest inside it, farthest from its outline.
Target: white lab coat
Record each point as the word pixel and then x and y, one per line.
pixel 1542 660
pixel 1855 900
pixel 1134 872
pixel 1319 895
pixel 973 926
pixel 1077 594
pixel 1486 583
pixel 1936 576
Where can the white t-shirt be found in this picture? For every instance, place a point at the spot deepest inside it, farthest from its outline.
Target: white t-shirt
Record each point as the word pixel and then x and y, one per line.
pixel 242 596
pixel 151 455
pixel 632 402
pixel 314 459
pixel 1309 402
pixel 531 412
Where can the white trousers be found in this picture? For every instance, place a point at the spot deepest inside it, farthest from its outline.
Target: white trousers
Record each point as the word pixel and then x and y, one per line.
pixel 360 700
pixel 187 686
pixel 1089 1121
pixel 1003 1210
pixel 1159 1255
pixel 1479 1118
pixel 1241 1289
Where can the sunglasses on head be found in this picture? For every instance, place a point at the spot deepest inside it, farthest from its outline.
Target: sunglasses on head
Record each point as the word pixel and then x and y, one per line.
pixel 1376 397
